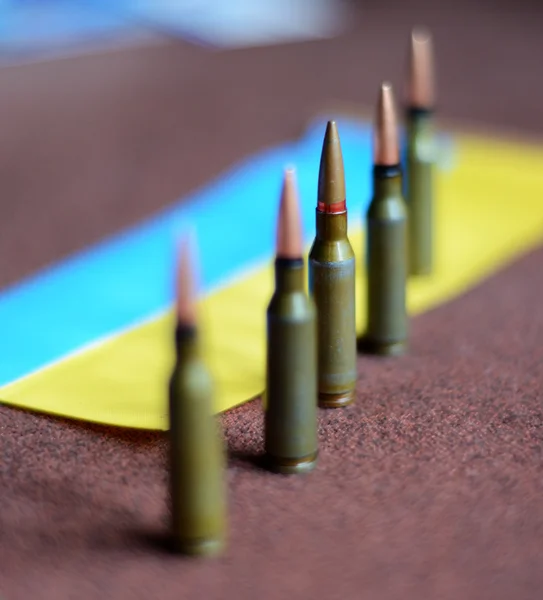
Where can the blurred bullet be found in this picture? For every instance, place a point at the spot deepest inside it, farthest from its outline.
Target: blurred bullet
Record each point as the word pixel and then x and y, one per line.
pixel 290 436
pixel 197 458
pixel 386 230
pixel 420 153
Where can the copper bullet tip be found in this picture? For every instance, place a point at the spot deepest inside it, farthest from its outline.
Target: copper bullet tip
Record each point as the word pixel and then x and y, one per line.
pixel 186 288
pixel 289 226
pixel 420 83
pixel 331 194
pixel 386 151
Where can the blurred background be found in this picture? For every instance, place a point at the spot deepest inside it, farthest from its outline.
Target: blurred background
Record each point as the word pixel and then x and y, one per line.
pixel 110 111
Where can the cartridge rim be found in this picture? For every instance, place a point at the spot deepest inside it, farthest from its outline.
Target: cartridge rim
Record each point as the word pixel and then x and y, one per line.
pixel 211 546
pixel 420 271
pixel 397 348
pixel 336 400
pixel 291 466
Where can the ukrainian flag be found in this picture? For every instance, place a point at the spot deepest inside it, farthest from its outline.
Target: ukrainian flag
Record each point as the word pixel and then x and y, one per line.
pixel 92 338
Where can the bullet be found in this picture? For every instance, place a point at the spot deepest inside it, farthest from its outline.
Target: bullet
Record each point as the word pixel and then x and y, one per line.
pixel 332 281
pixel 197 457
pixel 386 231
pixel 420 153
pixel 290 425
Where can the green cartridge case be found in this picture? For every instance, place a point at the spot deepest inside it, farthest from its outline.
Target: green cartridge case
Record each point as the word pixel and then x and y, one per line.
pixel 386 231
pixel 197 457
pixel 332 285
pixel 419 190
pixel 290 429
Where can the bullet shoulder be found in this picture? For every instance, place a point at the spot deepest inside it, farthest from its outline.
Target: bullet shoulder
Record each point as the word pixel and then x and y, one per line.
pixel 331 251
pixel 422 149
pixel 191 381
pixel 389 208
pixel 291 306
pixel 421 144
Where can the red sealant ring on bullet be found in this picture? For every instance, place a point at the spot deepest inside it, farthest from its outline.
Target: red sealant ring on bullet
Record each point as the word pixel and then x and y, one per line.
pixel 331 209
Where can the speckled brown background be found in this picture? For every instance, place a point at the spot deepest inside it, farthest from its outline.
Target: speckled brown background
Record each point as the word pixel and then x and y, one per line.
pixel 430 487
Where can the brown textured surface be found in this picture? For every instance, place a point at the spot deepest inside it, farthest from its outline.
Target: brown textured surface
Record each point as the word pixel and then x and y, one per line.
pixel 429 487
pixel 91 144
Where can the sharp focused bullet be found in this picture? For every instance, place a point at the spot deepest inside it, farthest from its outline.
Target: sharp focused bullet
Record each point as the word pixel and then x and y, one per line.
pixel 290 430
pixel 420 153
pixel 386 232
pixel 332 281
pixel 197 484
